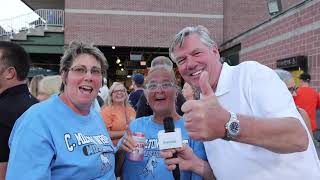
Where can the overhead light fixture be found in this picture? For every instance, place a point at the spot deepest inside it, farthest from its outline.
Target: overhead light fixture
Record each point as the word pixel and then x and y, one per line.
pixel 128 76
pixel 118 60
pixel 113 47
pixel 274 7
pixel 120 65
pixel 122 69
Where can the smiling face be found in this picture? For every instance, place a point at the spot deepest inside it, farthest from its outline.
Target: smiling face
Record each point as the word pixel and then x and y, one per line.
pixel 161 92
pixel 82 88
pixel 119 94
pixel 194 57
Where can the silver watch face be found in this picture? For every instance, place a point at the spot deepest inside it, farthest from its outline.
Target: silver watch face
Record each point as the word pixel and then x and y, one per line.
pixel 234 128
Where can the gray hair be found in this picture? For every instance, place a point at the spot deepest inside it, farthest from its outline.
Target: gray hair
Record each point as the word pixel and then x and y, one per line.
pixel 74 50
pixel 200 30
pixel 164 68
pixel 284 75
pixel 34 84
pixel 161 60
pixel 50 84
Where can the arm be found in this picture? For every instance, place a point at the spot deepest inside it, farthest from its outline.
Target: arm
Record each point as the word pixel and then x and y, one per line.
pixel 187 161
pixel 3 169
pixel 280 135
pixel 306 119
pixel 206 118
pixel 116 134
pixel 275 123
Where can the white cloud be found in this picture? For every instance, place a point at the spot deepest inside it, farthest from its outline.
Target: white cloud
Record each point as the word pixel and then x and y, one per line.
pixel 13 8
pixel 15 15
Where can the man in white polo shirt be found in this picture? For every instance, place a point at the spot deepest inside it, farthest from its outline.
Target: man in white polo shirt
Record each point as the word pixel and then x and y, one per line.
pixel 246 115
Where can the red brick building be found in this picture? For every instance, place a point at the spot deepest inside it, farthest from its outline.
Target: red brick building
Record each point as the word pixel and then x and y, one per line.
pixel 289 39
pixel 244 29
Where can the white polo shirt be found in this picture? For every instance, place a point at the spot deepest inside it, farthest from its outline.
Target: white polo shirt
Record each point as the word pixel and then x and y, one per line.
pixel 254 89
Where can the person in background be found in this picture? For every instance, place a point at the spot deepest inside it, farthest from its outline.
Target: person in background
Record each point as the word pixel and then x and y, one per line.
pixel 15 97
pixel 245 115
pixel 63 137
pixel 137 85
pixel 34 85
pixel 143 109
pixel 48 86
pixel 287 78
pixel 103 92
pixel 307 99
pixel 161 93
pixel 187 91
pixel 117 112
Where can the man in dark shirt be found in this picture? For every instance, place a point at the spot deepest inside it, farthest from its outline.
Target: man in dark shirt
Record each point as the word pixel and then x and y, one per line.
pixel 15 97
pixel 137 84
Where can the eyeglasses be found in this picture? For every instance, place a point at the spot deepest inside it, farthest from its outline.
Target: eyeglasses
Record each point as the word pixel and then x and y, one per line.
pixel 81 71
pixel 292 89
pixel 163 86
pixel 119 91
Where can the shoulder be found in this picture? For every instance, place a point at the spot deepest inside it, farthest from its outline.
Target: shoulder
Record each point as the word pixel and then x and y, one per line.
pixel 252 71
pixel 131 110
pixel 36 119
pixel 253 67
pixel 42 109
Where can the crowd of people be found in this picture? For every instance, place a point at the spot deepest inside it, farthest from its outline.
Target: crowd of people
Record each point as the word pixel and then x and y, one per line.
pixel 242 122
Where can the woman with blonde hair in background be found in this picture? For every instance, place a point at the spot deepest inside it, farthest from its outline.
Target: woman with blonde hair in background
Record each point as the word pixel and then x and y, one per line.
pixel 48 86
pixel 34 85
pixel 117 113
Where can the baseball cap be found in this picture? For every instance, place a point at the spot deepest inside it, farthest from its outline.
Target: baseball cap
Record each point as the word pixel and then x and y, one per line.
pixel 138 78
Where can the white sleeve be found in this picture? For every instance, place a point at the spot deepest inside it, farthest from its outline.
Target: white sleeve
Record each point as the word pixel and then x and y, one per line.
pixel 269 96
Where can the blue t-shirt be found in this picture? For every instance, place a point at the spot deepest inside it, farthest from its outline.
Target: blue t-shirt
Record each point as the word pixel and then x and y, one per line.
pixel 50 141
pixel 153 166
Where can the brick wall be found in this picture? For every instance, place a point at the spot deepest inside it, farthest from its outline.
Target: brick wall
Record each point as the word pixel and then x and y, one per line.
pixel 103 25
pixel 240 15
pixel 288 3
pixel 295 33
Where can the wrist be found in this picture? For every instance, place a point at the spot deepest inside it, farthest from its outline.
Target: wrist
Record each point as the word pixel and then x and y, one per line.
pixel 232 127
pixel 197 166
pixel 225 119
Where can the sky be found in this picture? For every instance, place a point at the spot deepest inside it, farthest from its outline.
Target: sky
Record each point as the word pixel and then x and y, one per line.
pixel 12 8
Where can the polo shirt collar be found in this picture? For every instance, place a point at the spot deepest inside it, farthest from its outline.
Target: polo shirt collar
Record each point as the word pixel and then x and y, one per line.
pixel 225 80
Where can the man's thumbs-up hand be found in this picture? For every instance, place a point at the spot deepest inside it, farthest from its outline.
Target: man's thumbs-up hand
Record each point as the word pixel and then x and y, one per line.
pixel 205 118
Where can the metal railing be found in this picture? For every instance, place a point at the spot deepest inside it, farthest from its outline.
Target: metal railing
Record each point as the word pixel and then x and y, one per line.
pixel 40 17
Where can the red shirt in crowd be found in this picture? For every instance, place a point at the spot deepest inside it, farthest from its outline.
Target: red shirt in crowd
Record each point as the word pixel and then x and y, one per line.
pixel 307 98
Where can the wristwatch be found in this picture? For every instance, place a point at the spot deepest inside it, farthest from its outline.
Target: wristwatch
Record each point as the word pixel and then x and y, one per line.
pixel 232 127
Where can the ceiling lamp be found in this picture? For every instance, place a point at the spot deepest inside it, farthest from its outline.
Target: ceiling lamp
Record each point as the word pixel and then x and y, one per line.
pixel 118 60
